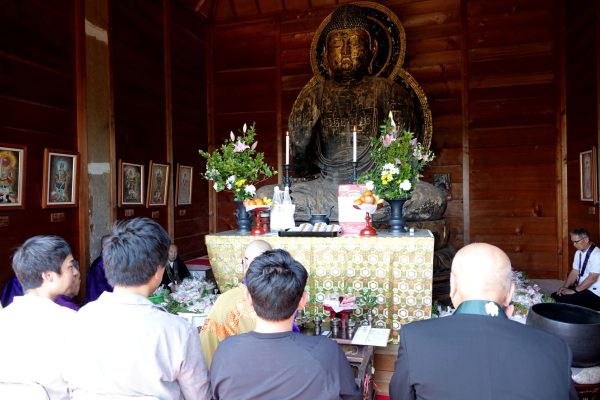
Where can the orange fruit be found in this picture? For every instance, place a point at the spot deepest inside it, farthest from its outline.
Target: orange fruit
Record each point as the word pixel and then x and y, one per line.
pixel 369 199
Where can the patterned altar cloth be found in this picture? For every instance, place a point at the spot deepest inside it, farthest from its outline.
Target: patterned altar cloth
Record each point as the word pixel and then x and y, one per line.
pixel 397 269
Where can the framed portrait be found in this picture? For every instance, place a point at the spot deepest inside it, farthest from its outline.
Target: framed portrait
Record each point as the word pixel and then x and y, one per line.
pixel 12 175
pixel 131 184
pixel 587 175
pixel 183 189
pixel 158 183
pixel 60 178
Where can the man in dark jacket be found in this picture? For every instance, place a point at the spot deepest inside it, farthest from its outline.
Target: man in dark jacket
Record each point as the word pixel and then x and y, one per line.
pixel 479 353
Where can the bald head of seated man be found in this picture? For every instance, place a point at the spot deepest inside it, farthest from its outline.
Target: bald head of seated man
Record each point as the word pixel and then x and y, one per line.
pixel 231 314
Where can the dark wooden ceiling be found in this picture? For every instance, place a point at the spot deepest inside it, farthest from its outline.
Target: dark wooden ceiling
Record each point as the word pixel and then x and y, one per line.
pixel 231 10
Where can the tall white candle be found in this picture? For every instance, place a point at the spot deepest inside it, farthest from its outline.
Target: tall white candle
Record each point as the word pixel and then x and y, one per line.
pixel 354 145
pixel 287 147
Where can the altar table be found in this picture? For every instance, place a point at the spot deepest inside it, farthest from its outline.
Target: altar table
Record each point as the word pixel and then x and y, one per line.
pixel 397 269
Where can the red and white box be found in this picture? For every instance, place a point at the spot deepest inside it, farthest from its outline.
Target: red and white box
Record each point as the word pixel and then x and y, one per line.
pixel 351 220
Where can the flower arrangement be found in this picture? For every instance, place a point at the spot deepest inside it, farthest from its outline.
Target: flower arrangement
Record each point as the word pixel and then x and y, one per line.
pixel 398 161
pixel 192 295
pixel 237 166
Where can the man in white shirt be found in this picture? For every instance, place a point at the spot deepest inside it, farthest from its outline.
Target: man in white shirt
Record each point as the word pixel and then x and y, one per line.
pixel 125 345
pixel 35 332
pixel 582 286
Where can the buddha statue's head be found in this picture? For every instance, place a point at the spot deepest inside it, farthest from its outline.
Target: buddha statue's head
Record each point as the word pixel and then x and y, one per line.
pixel 349 48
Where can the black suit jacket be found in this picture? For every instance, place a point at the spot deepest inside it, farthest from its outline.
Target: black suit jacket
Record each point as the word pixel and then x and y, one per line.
pixel 180 266
pixel 469 356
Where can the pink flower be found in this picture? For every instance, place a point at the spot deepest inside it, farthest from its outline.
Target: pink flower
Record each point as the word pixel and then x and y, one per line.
pixel 240 146
pixel 398 161
pixel 414 142
pixel 387 140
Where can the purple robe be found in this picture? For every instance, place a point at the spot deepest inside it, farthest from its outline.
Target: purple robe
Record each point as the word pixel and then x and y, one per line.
pixel 13 288
pixel 66 301
pixel 96 282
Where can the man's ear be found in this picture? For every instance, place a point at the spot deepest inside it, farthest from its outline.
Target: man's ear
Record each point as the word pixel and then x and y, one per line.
pixel 247 295
pixel 303 300
pixel 509 295
pixel 158 275
pixel 47 276
pixel 453 290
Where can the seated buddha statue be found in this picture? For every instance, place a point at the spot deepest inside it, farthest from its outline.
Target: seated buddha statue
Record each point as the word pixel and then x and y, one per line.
pixel 347 98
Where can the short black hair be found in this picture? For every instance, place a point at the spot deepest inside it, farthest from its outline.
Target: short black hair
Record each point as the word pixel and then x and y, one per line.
pixel 37 255
pixel 276 283
pixel 581 232
pixel 135 250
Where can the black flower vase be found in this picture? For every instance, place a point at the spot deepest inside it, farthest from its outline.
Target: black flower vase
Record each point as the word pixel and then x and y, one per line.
pixel 396 217
pixel 242 217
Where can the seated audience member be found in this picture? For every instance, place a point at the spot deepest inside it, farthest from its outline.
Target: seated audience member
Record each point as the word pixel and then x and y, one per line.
pixel 175 270
pixel 272 362
pixel 478 352
pixel 35 332
pixel 65 300
pixel 231 314
pixel 582 286
pixel 96 282
pixel 137 348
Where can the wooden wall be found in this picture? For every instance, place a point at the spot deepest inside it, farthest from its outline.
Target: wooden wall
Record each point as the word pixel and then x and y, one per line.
pixel 159 86
pixel 493 73
pixel 582 100
pixel 189 125
pixel 38 110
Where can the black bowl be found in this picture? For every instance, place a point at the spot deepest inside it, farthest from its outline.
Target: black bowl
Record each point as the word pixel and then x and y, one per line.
pixel 578 326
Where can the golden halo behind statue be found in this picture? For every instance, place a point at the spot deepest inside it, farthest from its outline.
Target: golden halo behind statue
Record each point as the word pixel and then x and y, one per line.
pixel 386 29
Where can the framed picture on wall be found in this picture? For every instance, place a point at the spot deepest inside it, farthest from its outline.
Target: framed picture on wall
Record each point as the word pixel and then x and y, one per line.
pixel 588 175
pixel 131 184
pixel 158 183
pixel 60 178
pixel 183 190
pixel 12 175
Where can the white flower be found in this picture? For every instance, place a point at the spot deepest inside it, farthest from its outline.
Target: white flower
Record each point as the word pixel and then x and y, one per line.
pixel 229 182
pixel 250 189
pixel 231 136
pixel 405 185
pixel 244 128
pixel 216 186
pixel 491 309
pixel 389 168
pixel 370 185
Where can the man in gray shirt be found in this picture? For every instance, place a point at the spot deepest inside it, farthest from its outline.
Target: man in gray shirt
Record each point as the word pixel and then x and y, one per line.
pixel 273 362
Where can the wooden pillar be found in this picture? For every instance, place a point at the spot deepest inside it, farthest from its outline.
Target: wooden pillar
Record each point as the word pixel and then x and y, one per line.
pixel 99 138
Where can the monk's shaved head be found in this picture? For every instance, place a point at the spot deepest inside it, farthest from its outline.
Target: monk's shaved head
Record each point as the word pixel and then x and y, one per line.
pixel 481 271
pixel 255 248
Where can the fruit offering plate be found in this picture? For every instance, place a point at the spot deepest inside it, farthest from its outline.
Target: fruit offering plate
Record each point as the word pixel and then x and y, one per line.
pixel 369 208
pixel 259 208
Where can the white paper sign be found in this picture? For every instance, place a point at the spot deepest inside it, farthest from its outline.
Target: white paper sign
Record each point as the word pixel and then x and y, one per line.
pixel 368 336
